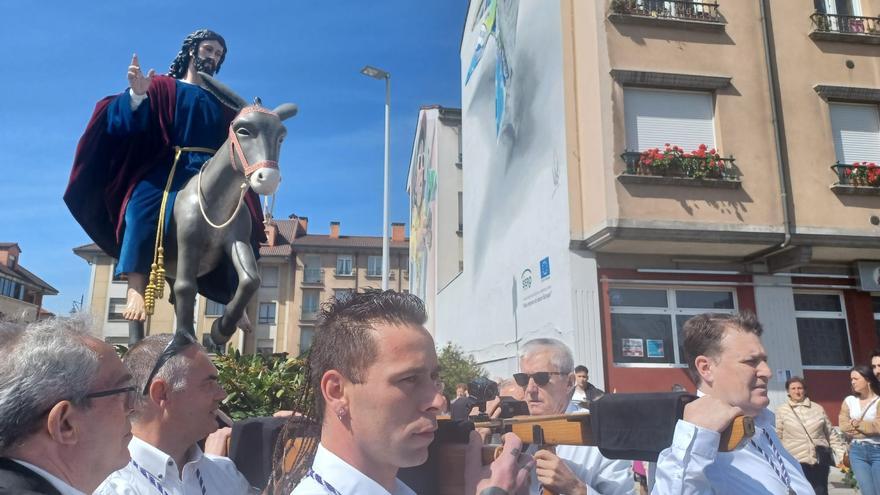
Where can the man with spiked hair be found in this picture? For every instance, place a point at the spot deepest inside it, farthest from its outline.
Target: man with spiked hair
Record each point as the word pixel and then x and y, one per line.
pixel 154 135
pixel 377 392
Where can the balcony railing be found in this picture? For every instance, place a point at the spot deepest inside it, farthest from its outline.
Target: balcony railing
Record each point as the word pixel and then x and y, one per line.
pixel 845 24
pixel 313 276
pixel 680 10
pixel 673 162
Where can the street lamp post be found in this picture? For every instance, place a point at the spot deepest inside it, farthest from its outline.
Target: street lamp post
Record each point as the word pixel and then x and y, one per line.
pixel 376 73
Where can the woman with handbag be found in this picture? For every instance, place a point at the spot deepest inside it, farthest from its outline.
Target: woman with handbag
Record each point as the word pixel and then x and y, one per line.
pixel 805 431
pixel 860 421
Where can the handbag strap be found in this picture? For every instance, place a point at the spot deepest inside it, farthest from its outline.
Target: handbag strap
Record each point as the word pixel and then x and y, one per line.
pixel 802 425
pixel 867 408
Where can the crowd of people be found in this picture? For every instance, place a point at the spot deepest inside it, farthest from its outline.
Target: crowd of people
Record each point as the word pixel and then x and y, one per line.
pixel 74 418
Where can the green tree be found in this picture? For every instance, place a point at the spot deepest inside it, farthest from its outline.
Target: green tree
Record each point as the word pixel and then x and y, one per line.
pixel 259 385
pixel 457 368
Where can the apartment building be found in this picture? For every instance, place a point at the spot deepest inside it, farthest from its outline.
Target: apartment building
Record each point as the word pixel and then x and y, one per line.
pixel 630 163
pixel 21 292
pixel 436 245
pixel 298 272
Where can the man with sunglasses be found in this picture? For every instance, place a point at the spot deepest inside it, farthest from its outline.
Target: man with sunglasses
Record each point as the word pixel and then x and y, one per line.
pixel 547 380
pixel 65 401
pixel 178 409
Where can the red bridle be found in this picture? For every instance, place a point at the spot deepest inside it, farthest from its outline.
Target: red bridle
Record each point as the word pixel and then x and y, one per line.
pixel 235 146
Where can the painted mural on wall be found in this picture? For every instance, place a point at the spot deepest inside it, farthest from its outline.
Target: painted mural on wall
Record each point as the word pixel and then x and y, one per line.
pixel 515 194
pixel 423 193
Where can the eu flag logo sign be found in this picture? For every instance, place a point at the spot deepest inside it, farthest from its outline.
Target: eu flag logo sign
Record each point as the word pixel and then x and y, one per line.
pixel 545 268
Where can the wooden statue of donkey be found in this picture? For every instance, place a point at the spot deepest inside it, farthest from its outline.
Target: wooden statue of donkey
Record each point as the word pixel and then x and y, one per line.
pixel 209 223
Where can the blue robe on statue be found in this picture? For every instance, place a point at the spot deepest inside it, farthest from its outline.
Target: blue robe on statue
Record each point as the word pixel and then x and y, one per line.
pixel 199 121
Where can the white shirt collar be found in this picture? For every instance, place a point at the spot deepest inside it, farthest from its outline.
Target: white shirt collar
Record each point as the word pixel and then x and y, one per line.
pixel 157 462
pixel 57 482
pixel 345 478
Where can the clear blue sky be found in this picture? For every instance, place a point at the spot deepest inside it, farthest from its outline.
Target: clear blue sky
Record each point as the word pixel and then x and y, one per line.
pixel 59 57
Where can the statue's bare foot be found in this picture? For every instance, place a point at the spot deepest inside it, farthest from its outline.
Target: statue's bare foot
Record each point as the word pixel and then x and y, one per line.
pixel 244 323
pixel 134 306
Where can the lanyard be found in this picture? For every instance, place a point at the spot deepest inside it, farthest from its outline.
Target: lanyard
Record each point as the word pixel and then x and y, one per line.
pixel 321 481
pixel 158 485
pixel 779 465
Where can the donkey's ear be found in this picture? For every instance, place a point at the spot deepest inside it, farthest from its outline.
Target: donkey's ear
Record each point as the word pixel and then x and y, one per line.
pixel 286 110
pixel 223 92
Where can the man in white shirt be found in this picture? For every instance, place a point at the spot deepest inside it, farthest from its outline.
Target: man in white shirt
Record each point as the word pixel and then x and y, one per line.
pixel 729 366
pixel 376 382
pixel 178 410
pixel 547 379
pixel 65 401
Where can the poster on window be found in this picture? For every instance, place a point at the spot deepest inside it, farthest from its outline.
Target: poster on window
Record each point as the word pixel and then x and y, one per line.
pixel 633 348
pixel 655 348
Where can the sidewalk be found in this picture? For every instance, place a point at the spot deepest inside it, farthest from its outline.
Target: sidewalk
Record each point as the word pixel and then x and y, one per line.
pixel 836 486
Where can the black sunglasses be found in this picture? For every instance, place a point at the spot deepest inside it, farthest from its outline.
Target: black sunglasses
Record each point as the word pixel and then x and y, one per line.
pixel 541 378
pixel 129 398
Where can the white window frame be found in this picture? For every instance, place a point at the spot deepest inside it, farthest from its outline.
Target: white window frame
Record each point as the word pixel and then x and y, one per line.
pixel 317 294
pixel 264 321
pixel 209 305
pixel 342 258
pixel 830 315
pixel 267 281
pixel 371 261
pixel 672 310
pixel 110 305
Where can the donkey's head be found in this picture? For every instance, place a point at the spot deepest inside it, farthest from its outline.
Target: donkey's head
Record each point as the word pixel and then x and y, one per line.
pixel 255 137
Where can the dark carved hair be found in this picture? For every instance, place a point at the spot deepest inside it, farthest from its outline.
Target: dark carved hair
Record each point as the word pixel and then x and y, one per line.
pixel 580 367
pixel 703 334
pixel 191 44
pixel 795 379
pixel 344 341
pixel 867 374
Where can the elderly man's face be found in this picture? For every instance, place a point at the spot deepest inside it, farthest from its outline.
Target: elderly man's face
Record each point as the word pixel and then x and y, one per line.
pixel 105 424
pixel 551 398
pixel 739 374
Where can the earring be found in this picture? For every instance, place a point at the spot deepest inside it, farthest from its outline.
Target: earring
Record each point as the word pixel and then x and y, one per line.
pixel 340 413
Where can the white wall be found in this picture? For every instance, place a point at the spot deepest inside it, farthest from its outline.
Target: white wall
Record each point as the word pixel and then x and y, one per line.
pixel 515 193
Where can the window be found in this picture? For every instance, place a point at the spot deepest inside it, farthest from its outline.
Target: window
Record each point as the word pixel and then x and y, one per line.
pixel 875 302
pixel 265 346
pixel 267 313
pixel 115 309
pixel 822 330
pixel 310 303
pixel 646 323
pixel 856 130
pixel 9 288
pixel 340 294
pixel 656 117
pixel 343 264
pixel 839 7
pixel 374 266
pixel 306 336
pixel 269 276
pixel 213 308
pixel 311 269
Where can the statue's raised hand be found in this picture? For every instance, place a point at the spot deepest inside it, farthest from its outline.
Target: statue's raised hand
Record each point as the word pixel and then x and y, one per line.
pixel 136 80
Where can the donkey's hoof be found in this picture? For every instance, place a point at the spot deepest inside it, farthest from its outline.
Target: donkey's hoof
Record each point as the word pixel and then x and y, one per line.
pixel 217 336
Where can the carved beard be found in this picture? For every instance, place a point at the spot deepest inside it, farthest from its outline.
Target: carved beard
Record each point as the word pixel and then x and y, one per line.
pixel 205 65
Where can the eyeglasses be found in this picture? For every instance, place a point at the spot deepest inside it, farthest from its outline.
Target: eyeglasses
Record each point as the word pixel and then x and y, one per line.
pixel 541 378
pixel 129 397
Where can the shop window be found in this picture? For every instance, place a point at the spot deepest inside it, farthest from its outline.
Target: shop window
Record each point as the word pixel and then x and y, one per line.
pixel 823 333
pixel 646 323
